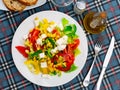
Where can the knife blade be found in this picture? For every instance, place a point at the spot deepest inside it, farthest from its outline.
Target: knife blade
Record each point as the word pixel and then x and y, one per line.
pixel 105 63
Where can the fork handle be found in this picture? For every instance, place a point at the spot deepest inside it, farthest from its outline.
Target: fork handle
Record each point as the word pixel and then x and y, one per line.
pixel 87 78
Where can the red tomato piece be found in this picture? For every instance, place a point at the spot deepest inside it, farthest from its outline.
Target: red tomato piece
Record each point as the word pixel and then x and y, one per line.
pixel 33 36
pixel 64 68
pixel 75 44
pixel 22 50
pixel 55 31
pixel 68 59
pixel 68 62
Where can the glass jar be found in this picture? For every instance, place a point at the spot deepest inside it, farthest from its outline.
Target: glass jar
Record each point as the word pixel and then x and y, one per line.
pixel 62 3
pixel 95 22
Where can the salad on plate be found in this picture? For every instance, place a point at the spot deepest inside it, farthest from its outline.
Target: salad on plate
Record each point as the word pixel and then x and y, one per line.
pixel 50 48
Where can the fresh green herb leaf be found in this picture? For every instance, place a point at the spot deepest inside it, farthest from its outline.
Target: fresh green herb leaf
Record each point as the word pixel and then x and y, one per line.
pixel 67 30
pixel 70 29
pixel 73 68
pixel 64 21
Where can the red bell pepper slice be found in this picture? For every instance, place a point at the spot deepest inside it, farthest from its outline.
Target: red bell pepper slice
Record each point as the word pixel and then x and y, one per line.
pixel 22 50
pixel 33 36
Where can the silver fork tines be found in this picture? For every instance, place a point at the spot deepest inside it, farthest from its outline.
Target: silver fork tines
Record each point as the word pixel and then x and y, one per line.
pixel 98 47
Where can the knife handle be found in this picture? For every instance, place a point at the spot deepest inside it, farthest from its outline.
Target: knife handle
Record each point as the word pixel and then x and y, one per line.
pixel 97 86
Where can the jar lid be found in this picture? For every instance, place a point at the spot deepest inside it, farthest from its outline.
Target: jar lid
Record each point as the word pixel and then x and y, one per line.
pixel 81 5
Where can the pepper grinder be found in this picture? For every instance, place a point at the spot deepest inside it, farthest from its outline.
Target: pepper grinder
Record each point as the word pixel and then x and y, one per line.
pixel 80 7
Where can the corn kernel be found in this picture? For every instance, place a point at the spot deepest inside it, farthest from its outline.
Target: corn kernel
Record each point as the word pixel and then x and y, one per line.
pixel 45 20
pixel 36 18
pixel 52 22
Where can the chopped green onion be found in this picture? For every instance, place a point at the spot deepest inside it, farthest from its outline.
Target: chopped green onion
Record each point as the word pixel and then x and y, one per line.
pixel 35 54
pixel 52 41
pixel 48 53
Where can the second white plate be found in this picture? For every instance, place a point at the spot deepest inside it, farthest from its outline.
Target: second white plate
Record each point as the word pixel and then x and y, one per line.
pixel 39 3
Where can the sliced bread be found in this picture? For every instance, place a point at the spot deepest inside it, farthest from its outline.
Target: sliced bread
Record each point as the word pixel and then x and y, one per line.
pixel 14 5
pixel 28 2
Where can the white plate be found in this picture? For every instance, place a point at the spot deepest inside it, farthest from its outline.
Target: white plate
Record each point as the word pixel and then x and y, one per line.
pixel 39 3
pixel 24 28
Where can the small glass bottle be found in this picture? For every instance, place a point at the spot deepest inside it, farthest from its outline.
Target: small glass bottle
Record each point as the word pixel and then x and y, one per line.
pixel 95 22
pixel 98 19
pixel 80 7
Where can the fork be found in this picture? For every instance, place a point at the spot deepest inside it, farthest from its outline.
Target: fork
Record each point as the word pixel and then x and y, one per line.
pixel 98 47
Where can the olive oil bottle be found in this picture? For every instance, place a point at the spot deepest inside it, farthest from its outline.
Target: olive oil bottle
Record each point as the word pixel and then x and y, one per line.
pixel 95 22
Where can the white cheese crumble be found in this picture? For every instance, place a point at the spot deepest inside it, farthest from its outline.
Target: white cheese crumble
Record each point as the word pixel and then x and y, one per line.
pixel 51 27
pixel 42 55
pixel 54 50
pixel 43 64
pixel 39 41
pixel 60 26
pixel 25 37
pixel 43 36
pixel 61 47
pixel 36 21
pixel 62 40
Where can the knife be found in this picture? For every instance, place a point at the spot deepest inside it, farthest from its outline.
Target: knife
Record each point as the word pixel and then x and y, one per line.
pixel 105 63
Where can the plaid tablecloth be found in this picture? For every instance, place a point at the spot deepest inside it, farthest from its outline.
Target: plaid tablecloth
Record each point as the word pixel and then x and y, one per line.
pixel 11 79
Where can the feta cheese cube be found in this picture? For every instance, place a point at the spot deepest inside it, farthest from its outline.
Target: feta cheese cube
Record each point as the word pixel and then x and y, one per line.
pixel 65 38
pixel 43 64
pixel 54 50
pixel 42 55
pixel 36 21
pixel 59 41
pixel 43 36
pixel 53 26
pixel 25 37
pixel 49 29
pixel 62 40
pixel 61 47
pixel 39 41
pixel 60 26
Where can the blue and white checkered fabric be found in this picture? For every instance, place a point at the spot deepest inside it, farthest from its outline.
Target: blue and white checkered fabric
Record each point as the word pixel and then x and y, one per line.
pixel 11 79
